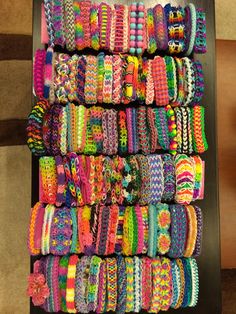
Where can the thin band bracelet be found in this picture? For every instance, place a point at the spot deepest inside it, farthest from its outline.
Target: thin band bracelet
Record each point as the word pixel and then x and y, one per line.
pixel 156 177
pixel 69 25
pixel 145 179
pixel 48 180
pixel 108 79
pixel 90 88
pixel 101 306
pixel 104 21
pixel 188 283
pixel 200 144
pixel 153 132
pixel 200 39
pixel 58 22
pixel 92 292
pixel 144 210
pixel 117 79
pixel 121 285
pixel 166 284
pixel 48 72
pixel 151 36
pixel 175 283
pixel 111 284
pixel 169 178
pixel 195 282
pixel 191 232
pixel 61 181
pixel 199 82
pixel 119 232
pixel 197 250
pixel 48 5
pixel 152 231
pixel 74 240
pixel 39 63
pixel 171 77
pixel 190 13
pixel 160 81
pixel 150 91
pixel 45 244
pixel 94 27
pixel 189 81
pixel 129 263
pixel 160 27
pixel 163 221
pixel 161 124
pixel 100 76
pixel 35 229
pixel 156 279
pixel 180 80
pixel 63 266
pixel 70 284
pixel 143 134
pixel 184 133
pixel 146 283
pixel 137 284
pixel 182 283
pixel 81 281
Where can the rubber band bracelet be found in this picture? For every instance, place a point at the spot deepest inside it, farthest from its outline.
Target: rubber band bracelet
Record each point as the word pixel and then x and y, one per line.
pixel 63 266
pixel 129 263
pixel 175 283
pixel 152 232
pixel 101 306
pixel 48 6
pixel 94 27
pixel 200 40
pixel 121 285
pixel 199 82
pixel 184 132
pixel 163 224
pixel 160 81
pixel 111 284
pixel 195 282
pixel 70 284
pixel 81 281
pixel 188 283
pixel 191 232
pixel 169 178
pixel 181 283
pixel 166 284
pixel 156 279
pixel 160 27
pixel 39 63
pixel 200 144
pixel 151 37
pixel 190 20
pixel 92 294
pixel 45 244
pixel 35 228
pixel 197 250
pixel 156 177
pixel 137 284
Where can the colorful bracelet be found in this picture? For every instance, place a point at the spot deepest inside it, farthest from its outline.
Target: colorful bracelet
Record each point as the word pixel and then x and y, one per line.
pixel 163 224
pixel 145 179
pixel 182 282
pixel 102 237
pixel 122 132
pixel 151 36
pixel 69 25
pixel 137 285
pixel 160 81
pixel 92 292
pixel 107 81
pixel 198 129
pixel 153 133
pixel 101 306
pixel 166 284
pixel 74 248
pixel 137 40
pixel 197 250
pixel 188 283
pixel 70 284
pixel 150 91
pixel 81 281
pixel 169 178
pixel 180 80
pixel 104 21
pixel 143 134
pixel 200 39
pixel 199 82
pixel 156 178
pixel 144 210
pixel 156 280
pixel 172 129
pixel 129 263
pixel 133 145
pixel 48 176
pixel 35 228
pixel 119 231
pixel 111 266
pixel 121 285
pixel 39 63
pixel 191 23
pixel 90 88
pixel 109 125
pixel 94 27
pixel 184 132
pixel 195 282
pixel 161 124
pixel 175 283
pixel 152 230
pixel 47 130
pixel 191 232
pixel 63 266
pixel 46 230
pixel 117 79
pixel 58 22
pixel 146 283
pixel 48 5
pixel 189 81
pixel 160 27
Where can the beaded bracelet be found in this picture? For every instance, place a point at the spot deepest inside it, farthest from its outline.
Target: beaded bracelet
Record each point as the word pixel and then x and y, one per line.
pixel 143 134
pixel 111 284
pixel 184 133
pixel 70 284
pixel 195 282
pixel 46 230
pixel 121 285
pixel 101 306
pixel 178 230
pixel 197 250
pixel 69 25
pixel 184 179
pixel 188 283
pixel 200 39
pixel 156 178
pixel 176 28
pixel 191 232
pixel 172 129
pixel 189 81
pixel 199 82
pixel 104 21
pixel 160 81
pixel 90 88
pixel 61 232
pixel 169 178
pixel 63 265
pixel 92 289
pixel 163 224
pixel 182 283
pixel 137 28
pixel 151 37
pixel 146 283
pixel 198 129
pixel 94 27
pixel 35 229
pixel 160 27
pixel 48 176
pixel 129 263
pixel 156 280
pixel 81 280
pixel 190 21
pixel 48 5
pixel 117 79
pixel 107 81
pixel 161 124
pixel 150 92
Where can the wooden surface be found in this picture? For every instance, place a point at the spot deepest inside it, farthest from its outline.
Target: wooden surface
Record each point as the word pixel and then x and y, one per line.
pixel 209 261
pixel 226 69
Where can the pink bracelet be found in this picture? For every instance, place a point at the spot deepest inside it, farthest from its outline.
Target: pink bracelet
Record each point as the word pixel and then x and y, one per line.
pixel 160 81
pixel 117 79
pixel 39 61
pixel 146 283
pixel 149 84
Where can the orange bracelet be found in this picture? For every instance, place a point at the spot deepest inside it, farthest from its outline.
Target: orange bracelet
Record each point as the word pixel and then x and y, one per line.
pixel 192 231
pixel 182 283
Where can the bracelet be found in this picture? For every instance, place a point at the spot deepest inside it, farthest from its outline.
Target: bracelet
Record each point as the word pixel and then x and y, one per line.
pixel 111 284
pixel 160 81
pixel 156 280
pixel 94 27
pixel 151 36
pixel 195 282
pixel 61 78
pixel 61 181
pixel 126 245
pixel 133 145
pixel 71 189
pixel 47 130
pixel 142 80
pixel 198 129
pixel 160 27
pixel 121 285
pixel 58 22
pixel 161 124
pixel 182 283
pixel 50 272
pixel 172 129
pixel 117 79
pixel 122 132
pixel 199 177
pixel 146 283
pixel 150 83
pixel 152 231
pixel 46 230
pixel 48 5
pixel 135 230
pixel 81 281
pixel 101 306
pixel 108 78
pixel 144 210
pixel 48 72
pixel 197 250
pixel 178 230
pixel 128 80
pixel 191 232
pixel 54 143
pixel 200 39
pixel 119 231
pixel 169 178
pixel 103 226
pixel 72 86
pixel 180 87
pixel 85 233
pixel 175 283
pixel 189 81
pixel 100 76
pixel 85 13
pixel 60 232
pixel 90 88
pixel 62 278
pixel 137 285
pixel 166 284
pixel 129 263
pixel 90 146
pixel 39 62
pixel 188 283
pixel 104 21
pixel 48 176
pixel 137 28
pixel 69 25
pixel 156 178
pixel 110 136
pixel 81 71
pixel 113 223
pixel 76 177
pixel 70 284
pixel 163 225
pixel 153 133
pixel 62 138
pixel 74 248
pixel 199 82
pixel 184 134
pixel 184 171
pixel 171 77
pixel 35 229
pixel 145 179
pixel 143 134
pixel 96 114
pixel 92 289
pixel 190 18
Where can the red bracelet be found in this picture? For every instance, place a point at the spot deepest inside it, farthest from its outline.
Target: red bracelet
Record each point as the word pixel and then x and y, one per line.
pixel 146 283
pixel 160 81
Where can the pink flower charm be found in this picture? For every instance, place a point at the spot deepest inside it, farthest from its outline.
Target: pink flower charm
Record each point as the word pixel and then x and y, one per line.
pixel 37 288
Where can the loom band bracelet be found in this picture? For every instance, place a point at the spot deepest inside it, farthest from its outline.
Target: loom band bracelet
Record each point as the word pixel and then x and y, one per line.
pixel 58 23
pixel 62 138
pixel 160 81
pixel 171 77
pixel 113 223
pixel 35 228
pixel 117 79
pixel 200 144
pixel 46 269
pixel 94 27
pixel 150 93
pixel 191 18
pixel 142 80
pixel 93 280
pixel 145 179
pixel 48 72
pixel 137 285
pixel 76 175
pixel 199 82
pixel 152 130
pixel 172 127
pixel 62 279
pixel 160 27
pixel 74 248
pixel 151 37
pixel 129 266
pixel 189 81
pixel 195 282
pixel 81 70
pixel 191 232
pixel 56 302
pixel 142 127
pixel 85 229
pixel 48 176
pixel 156 288
pixel 163 216
pixel 178 230
pixel 103 228
pixel 180 80
pixel 70 284
pixel 175 271
pixel 100 76
pixel 81 282
pixel 166 284
pixel 138 212
pixel 101 302
pixel 48 9
pixel 156 178
pixel 135 238
pixel 107 80
pixel 197 250
pixel 181 283
pixel 46 131
pixel 61 181
pixel 45 240
pixel 184 134
pixel 152 231
pixel 169 178
pixel 161 124
pixel 119 232
pixel 146 283
pixel 200 39
pixel 61 232
pixel 104 22
pixel 121 285
pixel 198 165
pixel 84 167
pixel 126 245
pixel 111 268
pixel 69 25
pixel 38 68
pixel 90 87
pixel 144 210
pixel 55 148
pixel 188 283
pixel 79 27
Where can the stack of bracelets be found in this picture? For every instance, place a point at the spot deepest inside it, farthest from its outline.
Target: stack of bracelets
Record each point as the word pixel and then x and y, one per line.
pixel 98 121
pixel 120 28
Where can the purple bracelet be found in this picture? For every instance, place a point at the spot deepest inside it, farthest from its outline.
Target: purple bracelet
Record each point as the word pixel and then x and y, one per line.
pixel 54 142
pixel 178 230
pixel 160 27
pixel 197 250
pixel 58 22
pixel 103 236
pixel 169 178
pixel 156 178
pixel 200 40
pixel 61 181
pixel 199 82
pixel 61 232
